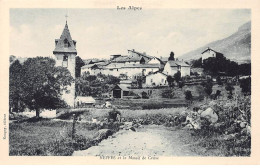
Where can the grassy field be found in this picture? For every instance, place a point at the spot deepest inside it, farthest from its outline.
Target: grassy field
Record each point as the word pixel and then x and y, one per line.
pixel 48 137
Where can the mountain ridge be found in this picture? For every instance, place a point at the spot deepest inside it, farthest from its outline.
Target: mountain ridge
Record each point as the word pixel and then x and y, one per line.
pixel 236 47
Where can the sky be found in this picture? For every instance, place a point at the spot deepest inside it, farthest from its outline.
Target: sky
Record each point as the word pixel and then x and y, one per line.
pixel 103 32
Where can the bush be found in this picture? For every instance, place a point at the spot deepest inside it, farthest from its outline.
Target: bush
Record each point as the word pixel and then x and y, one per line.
pixel 67 114
pixel 145 95
pixel 245 85
pixel 113 114
pixel 188 95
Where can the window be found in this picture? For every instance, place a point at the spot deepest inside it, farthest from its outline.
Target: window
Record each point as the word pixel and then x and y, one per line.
pixel 66 43
pixel 65 61
pixel 151 80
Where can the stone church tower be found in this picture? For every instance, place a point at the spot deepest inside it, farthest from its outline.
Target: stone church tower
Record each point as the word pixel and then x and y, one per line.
pixel 65 53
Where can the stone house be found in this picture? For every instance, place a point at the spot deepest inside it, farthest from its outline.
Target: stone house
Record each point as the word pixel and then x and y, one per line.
pixel 173 66
pixel 210 53
pixel 156 79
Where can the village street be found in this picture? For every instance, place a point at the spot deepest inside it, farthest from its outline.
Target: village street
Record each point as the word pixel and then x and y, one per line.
pixel 151 140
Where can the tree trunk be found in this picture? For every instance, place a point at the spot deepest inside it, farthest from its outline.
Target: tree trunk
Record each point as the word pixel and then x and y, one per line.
pixel 37 113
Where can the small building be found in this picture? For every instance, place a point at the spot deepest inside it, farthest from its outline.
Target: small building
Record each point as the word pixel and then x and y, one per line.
pixel 119 91
pixel 83 101
pixel 172 67
pixel 156 79
pixel 210 53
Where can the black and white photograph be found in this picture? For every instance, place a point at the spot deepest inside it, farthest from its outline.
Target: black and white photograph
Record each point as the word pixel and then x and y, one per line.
pixel 129 82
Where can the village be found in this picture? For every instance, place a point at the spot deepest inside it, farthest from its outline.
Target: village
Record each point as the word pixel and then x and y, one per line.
pixel 95 102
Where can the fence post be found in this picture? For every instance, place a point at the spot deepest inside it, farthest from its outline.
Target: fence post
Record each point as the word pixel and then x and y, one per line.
pixel 73 126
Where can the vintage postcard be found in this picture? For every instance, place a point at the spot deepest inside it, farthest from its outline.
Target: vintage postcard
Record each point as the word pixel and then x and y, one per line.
pixel 130 82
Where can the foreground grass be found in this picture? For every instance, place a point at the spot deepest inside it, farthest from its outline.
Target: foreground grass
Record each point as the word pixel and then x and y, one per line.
pixel 51 138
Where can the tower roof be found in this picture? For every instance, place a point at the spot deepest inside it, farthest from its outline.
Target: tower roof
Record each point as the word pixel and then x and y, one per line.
pixel 65 42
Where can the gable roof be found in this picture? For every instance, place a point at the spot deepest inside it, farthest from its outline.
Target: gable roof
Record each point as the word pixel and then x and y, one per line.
pixel 85 99
pixel 140 54
pixel 178 63
pixel 59 43
pixel 89 66
pixel 122 87
pixel 209 49
pixel 160 72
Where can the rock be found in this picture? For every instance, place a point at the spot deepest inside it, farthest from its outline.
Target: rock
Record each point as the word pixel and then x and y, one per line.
pixel 210 115
pixel 243 124
pixel 103 134
pixel 132 129
pixel 128 123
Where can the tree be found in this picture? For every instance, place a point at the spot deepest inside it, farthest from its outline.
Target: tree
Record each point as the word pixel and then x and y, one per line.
pixel 170 81
pixel 43 84
pixel 188 96
pixel 79 64
pixel 197 63
pixel 230 89
pixel 181 84
pixel 219 82
pixel 208 87
pixel 139 80
pixel 245 85
pixel 177 76
pixel 171 58
pixel 15 87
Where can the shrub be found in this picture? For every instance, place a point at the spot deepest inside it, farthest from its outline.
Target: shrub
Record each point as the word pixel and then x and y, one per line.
pixel 245 85
pixel 113 114
pixel 188 95
pixel 145 95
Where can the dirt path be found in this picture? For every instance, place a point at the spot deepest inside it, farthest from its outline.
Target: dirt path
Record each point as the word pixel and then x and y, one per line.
pixel 150 140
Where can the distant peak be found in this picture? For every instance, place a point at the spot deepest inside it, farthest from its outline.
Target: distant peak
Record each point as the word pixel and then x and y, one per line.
pixel 246 26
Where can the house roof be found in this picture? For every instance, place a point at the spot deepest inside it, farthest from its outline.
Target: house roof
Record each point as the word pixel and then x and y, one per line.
pixel 140 54
pixel 60 46
pixel 209 49
pixel 178 63
pixel 88 66
pixel 85 99
pixel 156 73
pixel 122 87
pixel 142 66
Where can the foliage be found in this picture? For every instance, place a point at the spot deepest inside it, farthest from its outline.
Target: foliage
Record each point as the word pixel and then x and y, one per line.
pixel 181 83
pixel 177 76
pixel 91 85
pixel 229 87
pixel 79 64
pixel 208 86
pixel 43 83
pixel 113 114
pixel 245 85
pixel 170 81
pixel 38 83
pixel 145 95
pixel 214 65
pixel 188 95
pixel 218 79
pixel 232 131
pixel 139 80
pixel 197 63
pixel 15 87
